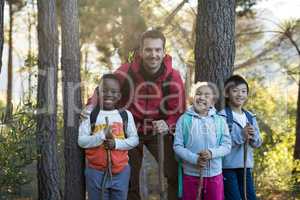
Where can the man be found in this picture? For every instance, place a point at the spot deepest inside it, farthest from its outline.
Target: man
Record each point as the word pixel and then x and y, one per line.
pixel 154 93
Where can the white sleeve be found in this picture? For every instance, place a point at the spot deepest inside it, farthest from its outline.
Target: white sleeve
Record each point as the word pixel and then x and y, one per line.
pixel 132 139
pixel 85 139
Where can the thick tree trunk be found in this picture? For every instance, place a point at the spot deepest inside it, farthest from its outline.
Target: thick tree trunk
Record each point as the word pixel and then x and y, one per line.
pixel 74 157
pixel 297 143
pixel 1 31
pixel 215 44
pixel 47 164
pixel 9 105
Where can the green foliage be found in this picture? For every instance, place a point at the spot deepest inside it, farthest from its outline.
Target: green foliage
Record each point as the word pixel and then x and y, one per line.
pixel 117 22
pixel 245 6
pixel 17 150
pixel 275 165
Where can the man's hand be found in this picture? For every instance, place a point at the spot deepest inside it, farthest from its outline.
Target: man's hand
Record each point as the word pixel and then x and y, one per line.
pixel 248 131
pixel 160 127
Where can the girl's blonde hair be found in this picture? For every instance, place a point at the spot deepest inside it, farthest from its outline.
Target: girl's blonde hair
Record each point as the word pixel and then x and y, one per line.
pixel 210 85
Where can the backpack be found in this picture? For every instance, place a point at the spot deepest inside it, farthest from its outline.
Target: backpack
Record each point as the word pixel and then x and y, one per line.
pixel 94 115
pixel 187 124
pixel 229 118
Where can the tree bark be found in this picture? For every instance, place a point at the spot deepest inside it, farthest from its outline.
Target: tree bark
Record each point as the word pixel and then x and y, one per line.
pixel 9 105
pixel 297 142
pixel 215 43
pixel 74 157
pixel 47 164
pixel 1 30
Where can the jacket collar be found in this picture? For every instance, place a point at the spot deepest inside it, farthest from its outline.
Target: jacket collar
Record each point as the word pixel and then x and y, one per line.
pixel 166 67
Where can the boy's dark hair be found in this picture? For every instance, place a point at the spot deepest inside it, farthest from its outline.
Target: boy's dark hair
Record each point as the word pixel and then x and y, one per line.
pixel 234 81
pixel 154 34
pixel 109 76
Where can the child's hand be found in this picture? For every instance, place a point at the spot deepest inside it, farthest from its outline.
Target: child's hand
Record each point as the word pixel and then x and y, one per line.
pixel 201 162
pixel 108 133
pixel 248 131
pixel 109 144
pixel 204 156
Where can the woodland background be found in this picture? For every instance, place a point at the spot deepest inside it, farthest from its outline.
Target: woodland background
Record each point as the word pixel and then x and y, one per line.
pixel 49 47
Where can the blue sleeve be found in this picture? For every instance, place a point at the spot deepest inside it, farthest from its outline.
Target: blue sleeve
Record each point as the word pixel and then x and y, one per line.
pixel 178 145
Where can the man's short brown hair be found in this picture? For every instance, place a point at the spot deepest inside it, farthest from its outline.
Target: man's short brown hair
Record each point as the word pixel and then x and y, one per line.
pixel 153 34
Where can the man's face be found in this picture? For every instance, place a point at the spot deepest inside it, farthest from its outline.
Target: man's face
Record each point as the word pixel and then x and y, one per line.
pixel 152 54
pixel 109 93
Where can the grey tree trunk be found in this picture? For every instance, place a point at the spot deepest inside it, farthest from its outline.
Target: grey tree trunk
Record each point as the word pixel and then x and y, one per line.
pixel 1 30
pixel 47 164
pixel 9 106
pixel 74 157
pixel 215 43
pixel 297 142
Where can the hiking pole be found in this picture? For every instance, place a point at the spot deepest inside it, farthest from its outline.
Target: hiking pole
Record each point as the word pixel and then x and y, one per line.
pixel 200 186
pixel 161 175
pixel 108 153
pixel 199 193
pixel 108 171
pixel 245 167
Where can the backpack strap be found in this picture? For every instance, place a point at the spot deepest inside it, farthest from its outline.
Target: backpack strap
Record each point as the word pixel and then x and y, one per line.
pixel 124 116
pixel 93 117
pixel 186 128
pixel 229 118
pixel 249 116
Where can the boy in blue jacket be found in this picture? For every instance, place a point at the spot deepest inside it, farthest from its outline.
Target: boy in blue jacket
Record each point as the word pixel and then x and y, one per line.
pixel 244 131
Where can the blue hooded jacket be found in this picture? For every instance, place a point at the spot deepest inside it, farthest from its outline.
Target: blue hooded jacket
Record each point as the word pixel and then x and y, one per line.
pixel 202 135
pixel 235 159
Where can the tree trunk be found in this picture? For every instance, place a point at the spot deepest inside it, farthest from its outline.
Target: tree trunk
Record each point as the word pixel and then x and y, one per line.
pixel 297 143
pixel 47 164
pixel 74 157
pixel 9 105
pixel 1 30
pixel 215 44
